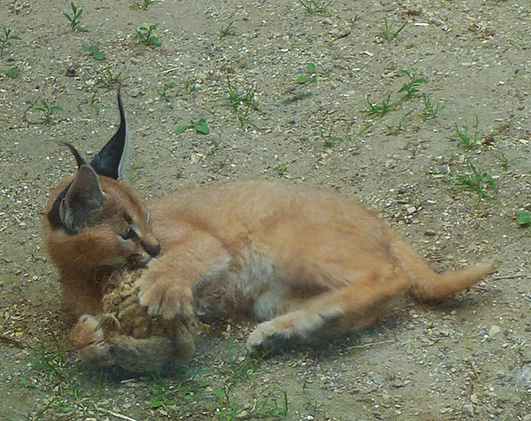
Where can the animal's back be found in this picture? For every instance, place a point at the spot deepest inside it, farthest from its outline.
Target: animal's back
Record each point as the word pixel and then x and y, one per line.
pixel 301 228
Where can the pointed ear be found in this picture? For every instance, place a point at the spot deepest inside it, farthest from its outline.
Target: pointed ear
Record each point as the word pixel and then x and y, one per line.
pixel 111 160
pixel 83 200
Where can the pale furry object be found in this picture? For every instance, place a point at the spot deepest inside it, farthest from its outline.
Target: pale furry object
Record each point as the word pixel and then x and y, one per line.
pixel 124 334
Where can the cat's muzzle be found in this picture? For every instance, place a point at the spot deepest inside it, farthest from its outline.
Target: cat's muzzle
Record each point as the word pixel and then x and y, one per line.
pixel 138 260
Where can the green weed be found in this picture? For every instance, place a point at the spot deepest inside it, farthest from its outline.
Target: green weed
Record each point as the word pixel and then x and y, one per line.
pixel 431 110
pixel 144 4
pixel 389 32
pixel 13 73
pixel 190 86
pixel 147 35
pixel 270 408
pixel 412 87
pixel 282 169
pixel 241 97
pixel 402 123
pixel 163 93
pixel 52 360
pixel 379 109
pixel 478 181
pixel 352 22
pixel 47 111
pixel 363 130
pixel 162 390
pixel 75 18
pixel 524 218
pixel 95 51
pixel 200 126
pixel 328 138
pixel 314 7
pixel 109 80
pixel 468 140
pixel 311 76
pixel 6 38
pixel 227 30
pixel 229 409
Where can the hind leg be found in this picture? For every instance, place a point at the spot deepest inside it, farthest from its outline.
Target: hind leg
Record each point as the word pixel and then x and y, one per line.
pixel 345 309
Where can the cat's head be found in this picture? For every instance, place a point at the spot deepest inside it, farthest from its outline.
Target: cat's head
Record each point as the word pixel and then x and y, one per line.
pixel 94 220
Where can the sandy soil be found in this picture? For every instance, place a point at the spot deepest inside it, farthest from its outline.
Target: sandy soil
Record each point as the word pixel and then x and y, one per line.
pixel 468 358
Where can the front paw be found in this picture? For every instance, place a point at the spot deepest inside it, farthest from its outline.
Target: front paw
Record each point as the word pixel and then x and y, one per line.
pixel 163 297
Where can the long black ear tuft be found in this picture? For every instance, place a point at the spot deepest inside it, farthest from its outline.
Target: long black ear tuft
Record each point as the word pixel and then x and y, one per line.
pixel 111 160
pixel 79 159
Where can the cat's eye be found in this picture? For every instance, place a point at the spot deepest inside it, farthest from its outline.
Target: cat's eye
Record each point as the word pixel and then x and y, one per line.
pixel 129 234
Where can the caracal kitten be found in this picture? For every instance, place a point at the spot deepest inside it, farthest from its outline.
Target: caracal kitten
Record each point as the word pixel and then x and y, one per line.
pixel 302 261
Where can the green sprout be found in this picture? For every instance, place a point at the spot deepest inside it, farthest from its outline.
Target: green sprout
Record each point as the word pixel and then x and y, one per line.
pixel 6 38
pixel 75 25
pixel 147 35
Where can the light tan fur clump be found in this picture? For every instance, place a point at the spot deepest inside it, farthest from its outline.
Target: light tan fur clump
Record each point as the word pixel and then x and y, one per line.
pixel 125 334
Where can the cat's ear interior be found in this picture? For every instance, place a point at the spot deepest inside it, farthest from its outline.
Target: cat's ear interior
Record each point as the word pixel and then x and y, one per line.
pixel 84 199
pixel 111 161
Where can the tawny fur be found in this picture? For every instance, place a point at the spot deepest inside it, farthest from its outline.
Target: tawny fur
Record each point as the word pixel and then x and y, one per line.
pixel 304 262
pixel 85 261
pixel 300 259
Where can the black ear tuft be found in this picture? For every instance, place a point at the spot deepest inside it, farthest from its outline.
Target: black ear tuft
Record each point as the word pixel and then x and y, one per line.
pixel 111 160
pixel 79 159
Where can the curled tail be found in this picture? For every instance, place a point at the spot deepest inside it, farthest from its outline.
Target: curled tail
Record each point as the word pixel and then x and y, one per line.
pixel 430 286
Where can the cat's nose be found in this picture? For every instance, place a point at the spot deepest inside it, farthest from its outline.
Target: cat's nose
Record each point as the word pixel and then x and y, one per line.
pixel 153 251
pixel 151 245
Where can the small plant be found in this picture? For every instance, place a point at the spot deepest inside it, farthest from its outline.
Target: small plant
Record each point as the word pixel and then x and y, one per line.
pixel 389 32
pixel 75 25
pixel 328 138
pixel 242 99
pixel 164 91
pixel 477 181
pixel 13 73
pixel 144 4
pixel 271 409
pixel 190 87
pixel 379 109
pixel 310 76
pixel 282 169
pixel 200 126
pixel 524 218
pixel 238 97
pixel 430 109
pixel 161 389
pixel 314 7
pixel 47 111
pixel 95 51
pixel 6 38
pixel 467 140
pixel 352 22
pixel 147 35
pixel 363 130
pixel 412 87
pixel 109 80
pixel 402 123
pixel 226 31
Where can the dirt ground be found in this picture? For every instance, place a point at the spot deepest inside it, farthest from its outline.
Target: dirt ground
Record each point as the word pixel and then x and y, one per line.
pixel 306 73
